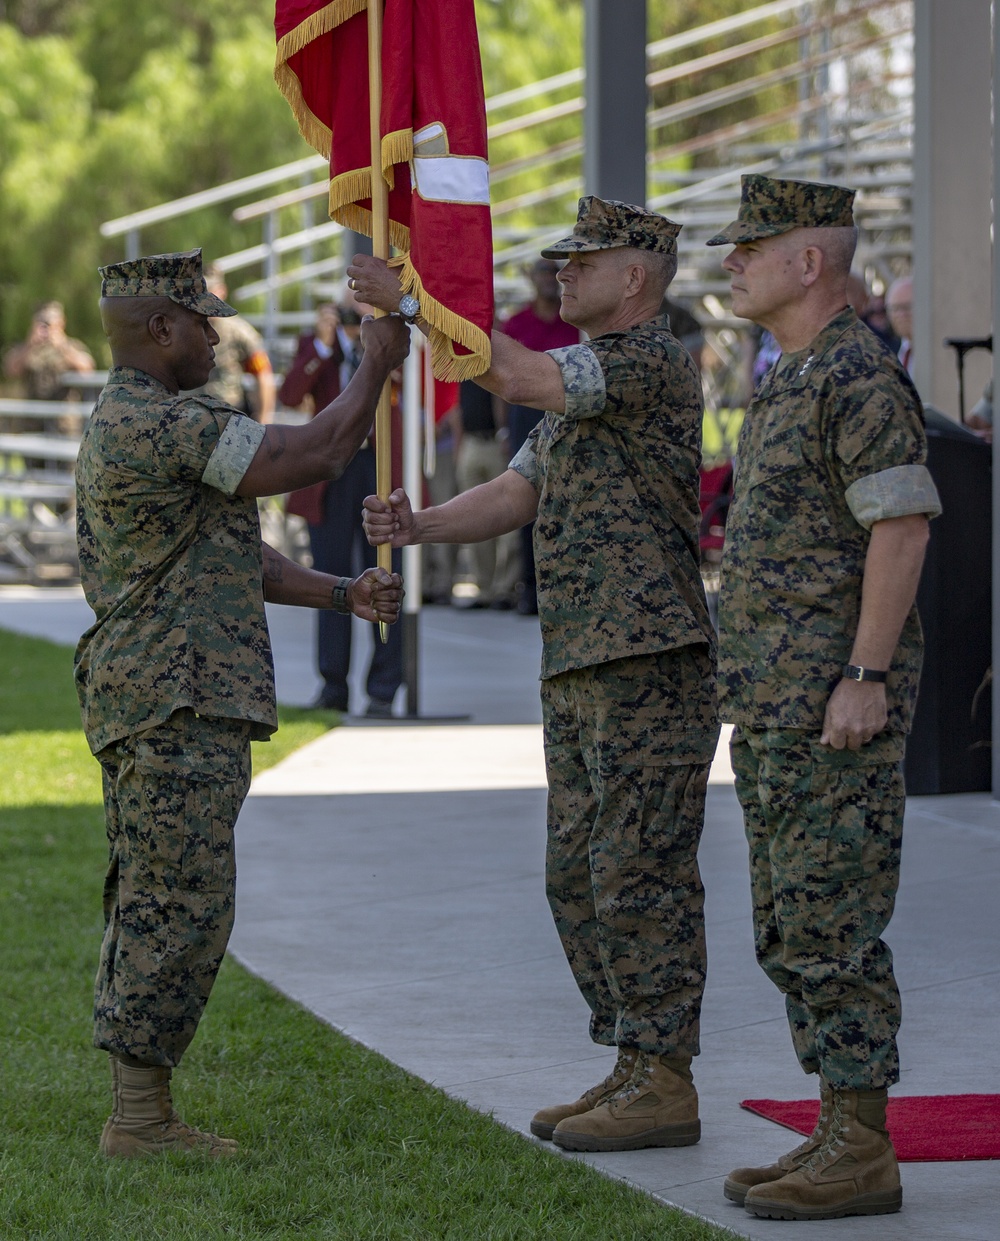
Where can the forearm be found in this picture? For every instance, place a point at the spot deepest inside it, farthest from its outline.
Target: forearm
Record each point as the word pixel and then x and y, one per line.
pixel 285 581
pixel 892 573
pixel 294 457
pixel 505 503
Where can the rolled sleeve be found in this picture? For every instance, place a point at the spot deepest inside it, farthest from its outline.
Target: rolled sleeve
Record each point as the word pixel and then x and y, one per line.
pixel 901 491
pixel 235 450
pixel 583 380
pixel 525 462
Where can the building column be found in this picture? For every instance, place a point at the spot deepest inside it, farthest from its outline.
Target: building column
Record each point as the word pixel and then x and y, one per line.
pixel 614 126
pixel 952 191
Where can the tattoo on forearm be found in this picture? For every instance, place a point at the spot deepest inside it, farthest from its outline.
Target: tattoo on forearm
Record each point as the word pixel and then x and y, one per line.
pixel 274 569
pixel 276 442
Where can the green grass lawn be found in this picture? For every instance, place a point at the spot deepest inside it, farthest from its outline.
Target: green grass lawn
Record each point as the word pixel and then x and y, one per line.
pixel 336 1142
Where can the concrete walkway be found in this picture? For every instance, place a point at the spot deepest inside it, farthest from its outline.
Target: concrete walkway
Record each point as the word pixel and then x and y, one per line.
pixel 391 881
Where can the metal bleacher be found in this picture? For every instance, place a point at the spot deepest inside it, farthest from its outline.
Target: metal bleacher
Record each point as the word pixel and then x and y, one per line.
pixel 814 88
pixel 820 89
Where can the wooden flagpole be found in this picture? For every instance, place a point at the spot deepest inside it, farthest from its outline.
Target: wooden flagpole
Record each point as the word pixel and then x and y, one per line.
pixel 380 249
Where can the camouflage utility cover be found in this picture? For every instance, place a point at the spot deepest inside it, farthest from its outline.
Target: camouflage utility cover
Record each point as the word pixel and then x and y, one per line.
pixel 177 276
pixel 606 225
pixel 616 537
pixel 832 442
pixel 170 564
pixel 769 208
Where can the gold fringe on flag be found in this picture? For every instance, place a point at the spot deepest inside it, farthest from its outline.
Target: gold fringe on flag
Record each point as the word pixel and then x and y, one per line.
pixel 447 329
pixel 312 129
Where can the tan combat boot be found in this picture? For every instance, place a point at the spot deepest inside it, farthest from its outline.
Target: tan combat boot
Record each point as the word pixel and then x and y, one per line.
pixel 658 1106
pixel 544 1122
pixel 741 1180
pixel 853 1171
pixel 143 1120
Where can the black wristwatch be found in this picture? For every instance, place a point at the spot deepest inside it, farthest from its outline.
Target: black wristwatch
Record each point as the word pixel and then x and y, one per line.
pixel 853 672
pixel 409 308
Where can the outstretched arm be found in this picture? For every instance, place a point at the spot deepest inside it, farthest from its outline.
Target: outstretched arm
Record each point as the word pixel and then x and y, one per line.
pixel 374 596
pixel 521 376
pixel 505 503
pixel 292 457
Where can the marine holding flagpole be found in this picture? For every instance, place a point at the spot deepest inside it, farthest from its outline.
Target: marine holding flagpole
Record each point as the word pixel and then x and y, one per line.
pixel 610 478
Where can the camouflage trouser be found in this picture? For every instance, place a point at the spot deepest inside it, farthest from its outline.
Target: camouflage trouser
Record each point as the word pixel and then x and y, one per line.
pixel 171 797
pixel 825 829
pixel 628 745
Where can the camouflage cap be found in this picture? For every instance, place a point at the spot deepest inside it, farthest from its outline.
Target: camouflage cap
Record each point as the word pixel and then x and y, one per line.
pixel 603 224
pixel 177 276
pixel 769 208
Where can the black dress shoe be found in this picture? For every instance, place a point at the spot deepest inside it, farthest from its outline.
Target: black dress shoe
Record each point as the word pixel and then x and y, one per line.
pixel 330 700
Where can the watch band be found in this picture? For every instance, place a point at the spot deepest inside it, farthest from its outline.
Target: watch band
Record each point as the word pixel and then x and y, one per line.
pixel 853 672
pixel 339 593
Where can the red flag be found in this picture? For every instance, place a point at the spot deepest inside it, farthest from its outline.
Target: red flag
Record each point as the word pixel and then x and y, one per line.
pixel 434 154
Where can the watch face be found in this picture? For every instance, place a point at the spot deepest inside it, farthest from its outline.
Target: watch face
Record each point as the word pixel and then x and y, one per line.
pixel 409 307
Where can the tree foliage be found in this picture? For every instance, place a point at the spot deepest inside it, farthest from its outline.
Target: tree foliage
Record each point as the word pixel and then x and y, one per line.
pixel 111 106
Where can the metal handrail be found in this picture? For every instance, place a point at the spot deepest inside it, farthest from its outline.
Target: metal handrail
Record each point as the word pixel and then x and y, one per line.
pixel 662 47
pixel 208 198
pixel 526 242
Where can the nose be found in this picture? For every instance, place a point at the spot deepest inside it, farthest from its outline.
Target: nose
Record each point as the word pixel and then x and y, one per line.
pixel 729 263
pixel 213 335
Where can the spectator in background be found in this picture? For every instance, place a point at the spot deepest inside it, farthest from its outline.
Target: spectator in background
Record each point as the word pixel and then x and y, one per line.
pixel 324 363
pixel 441 484
pixel 537 326
pixel 46 355
pixel 481 455
pixel 240 352
pixel 349 339
pixel 876 317
pixel 686 328
pixel 899 307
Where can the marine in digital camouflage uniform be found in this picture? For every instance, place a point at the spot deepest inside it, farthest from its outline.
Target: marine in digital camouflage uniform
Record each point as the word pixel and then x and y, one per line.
pixel 240 352
pixel 610 476
pixel 175 676
pixel 820 651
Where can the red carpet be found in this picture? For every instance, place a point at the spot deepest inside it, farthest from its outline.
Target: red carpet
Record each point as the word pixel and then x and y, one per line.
pixel 924 1129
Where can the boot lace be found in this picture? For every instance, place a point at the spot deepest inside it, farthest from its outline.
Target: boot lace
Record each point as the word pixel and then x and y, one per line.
pixel 833 1142
pixel 641 1075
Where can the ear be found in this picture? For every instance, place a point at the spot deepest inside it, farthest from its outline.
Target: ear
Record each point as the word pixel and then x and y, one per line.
pixel 160 327
pixel 635 280
pixel 812 265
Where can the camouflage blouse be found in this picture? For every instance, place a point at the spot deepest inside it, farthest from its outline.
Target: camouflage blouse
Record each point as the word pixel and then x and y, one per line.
pixel 833 442
pixel 616 537
pixel 170 561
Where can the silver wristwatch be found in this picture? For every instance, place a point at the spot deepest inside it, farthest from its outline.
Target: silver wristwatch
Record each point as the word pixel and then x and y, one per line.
pixel 409 308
